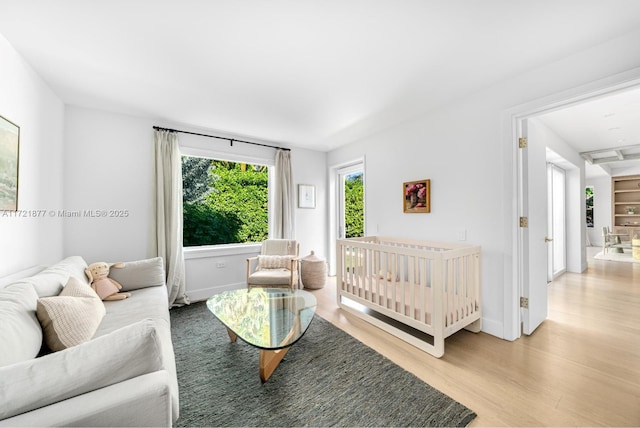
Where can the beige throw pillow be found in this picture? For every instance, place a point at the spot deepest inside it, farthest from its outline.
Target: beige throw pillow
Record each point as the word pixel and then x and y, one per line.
pixel 274 262
pixel 70 318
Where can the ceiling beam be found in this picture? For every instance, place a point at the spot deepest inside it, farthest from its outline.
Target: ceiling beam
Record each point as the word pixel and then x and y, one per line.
pixel 611 159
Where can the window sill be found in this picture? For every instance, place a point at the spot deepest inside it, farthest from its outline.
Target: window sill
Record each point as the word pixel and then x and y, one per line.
pixel 220 250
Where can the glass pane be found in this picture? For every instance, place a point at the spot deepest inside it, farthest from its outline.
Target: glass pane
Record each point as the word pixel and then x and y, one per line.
pixel 354 205
pixel 224 202
pixel 559 234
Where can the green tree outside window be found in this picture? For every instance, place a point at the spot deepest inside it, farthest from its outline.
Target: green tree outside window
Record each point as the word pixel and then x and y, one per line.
pixel 224 202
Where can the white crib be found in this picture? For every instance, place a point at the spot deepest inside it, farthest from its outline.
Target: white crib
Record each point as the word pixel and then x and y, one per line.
pixel 431 287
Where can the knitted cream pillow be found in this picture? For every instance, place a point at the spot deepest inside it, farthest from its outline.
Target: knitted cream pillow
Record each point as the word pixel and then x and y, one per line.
pixel 70 318
pixel 274 262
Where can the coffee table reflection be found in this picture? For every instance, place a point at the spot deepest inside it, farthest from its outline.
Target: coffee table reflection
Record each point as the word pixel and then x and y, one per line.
pixel 271 319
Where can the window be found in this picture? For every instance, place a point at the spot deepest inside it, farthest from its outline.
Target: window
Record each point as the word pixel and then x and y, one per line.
pixel 589 200
pixel 224 202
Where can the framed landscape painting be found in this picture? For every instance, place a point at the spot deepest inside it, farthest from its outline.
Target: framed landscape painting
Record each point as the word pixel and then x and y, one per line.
pixel 9 148
pixel 416 196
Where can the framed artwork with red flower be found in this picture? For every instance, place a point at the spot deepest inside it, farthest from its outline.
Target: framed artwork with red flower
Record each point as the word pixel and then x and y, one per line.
pixel 416 196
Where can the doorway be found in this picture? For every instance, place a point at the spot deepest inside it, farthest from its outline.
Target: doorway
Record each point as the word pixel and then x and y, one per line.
pixel 347 197
pixel 351 201
pixel 526 248
pixel 556 222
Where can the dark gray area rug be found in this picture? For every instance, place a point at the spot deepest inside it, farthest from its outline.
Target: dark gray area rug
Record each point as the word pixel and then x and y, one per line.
pixel 327 378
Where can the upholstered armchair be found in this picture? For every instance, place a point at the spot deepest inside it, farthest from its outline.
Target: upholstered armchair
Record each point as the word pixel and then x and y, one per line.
pixel 276 266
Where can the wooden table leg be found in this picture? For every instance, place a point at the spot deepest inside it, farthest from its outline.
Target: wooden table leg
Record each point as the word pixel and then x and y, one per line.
pixel 232 335
pixel 269 361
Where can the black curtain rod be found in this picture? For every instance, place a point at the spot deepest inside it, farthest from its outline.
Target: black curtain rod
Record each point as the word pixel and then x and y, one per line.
pixel 231 140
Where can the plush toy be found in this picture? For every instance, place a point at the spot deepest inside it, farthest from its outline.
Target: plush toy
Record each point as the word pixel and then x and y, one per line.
pixel 105 287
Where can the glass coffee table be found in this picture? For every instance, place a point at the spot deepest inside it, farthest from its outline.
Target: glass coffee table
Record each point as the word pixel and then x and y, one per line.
pixel 271 319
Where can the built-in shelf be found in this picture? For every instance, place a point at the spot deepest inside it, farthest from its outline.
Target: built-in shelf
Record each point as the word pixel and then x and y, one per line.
pixel 625 192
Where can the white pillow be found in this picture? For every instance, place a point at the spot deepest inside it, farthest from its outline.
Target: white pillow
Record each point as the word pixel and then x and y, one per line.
pixel 20 331
pixel 50 281
pixel 274 262
pixel 72 317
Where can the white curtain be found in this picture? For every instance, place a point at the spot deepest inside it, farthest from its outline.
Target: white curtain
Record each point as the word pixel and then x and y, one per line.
pixel 169 214
pixel 283 225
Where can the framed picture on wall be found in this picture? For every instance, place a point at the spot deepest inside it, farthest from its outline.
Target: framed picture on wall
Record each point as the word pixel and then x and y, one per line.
pixel 306 196
pixel 9 150
pixel 416 196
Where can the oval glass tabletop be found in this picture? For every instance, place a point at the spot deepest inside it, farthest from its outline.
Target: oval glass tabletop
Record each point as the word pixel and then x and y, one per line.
pixel 267 318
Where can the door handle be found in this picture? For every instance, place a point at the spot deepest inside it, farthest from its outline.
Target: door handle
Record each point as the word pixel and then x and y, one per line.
pixel 547 239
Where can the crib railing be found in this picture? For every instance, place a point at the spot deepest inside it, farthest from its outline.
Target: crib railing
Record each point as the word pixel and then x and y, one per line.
pixel 430 286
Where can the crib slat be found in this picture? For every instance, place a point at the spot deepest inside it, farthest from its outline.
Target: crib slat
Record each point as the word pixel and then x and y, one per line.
pixel 450 292
pixel 424 306
pixel 394 273
pixel 412 287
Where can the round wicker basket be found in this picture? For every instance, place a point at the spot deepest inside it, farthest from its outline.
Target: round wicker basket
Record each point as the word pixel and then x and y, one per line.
pixel 313 271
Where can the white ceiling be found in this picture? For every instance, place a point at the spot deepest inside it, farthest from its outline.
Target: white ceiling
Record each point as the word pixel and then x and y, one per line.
pixel 305 73
pixel 608 122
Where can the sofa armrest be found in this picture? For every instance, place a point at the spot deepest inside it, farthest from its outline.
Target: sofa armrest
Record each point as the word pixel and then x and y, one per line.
pixel 144 401
pixel 115 357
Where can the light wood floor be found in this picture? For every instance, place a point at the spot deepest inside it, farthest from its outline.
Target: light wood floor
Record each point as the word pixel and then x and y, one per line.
pixel 580 368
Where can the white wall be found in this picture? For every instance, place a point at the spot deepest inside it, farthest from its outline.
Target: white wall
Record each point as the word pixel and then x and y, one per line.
pixel 110 167
pixel 310 167
pixel 458 149
pixel 466 149
pixel 27 101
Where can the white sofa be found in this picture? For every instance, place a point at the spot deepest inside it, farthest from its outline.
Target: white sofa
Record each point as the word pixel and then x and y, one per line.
pixel 125 375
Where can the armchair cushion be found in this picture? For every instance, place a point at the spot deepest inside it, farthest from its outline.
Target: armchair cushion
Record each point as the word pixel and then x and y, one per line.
pixel 274 262
pixel 281 247
pixel 271 277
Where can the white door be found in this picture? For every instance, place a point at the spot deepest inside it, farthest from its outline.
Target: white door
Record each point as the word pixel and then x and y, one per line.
pixel 533 205
pixel 351 201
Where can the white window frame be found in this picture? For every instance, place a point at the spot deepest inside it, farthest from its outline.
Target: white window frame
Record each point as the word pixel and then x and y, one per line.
pixel 232 248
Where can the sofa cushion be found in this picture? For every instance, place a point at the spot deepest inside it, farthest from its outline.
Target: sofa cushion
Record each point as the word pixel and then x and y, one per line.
pixel 150 302
pixel 139 274
pixel 72 317
pixel 50 281
pixel 274 262
pixel 20 331
pixel 124 354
